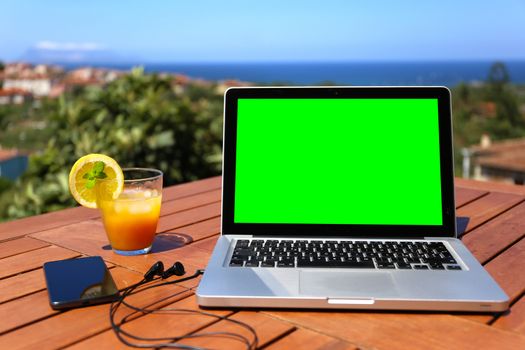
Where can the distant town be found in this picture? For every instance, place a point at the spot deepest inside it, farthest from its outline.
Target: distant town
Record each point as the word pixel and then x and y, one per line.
pixel 22 82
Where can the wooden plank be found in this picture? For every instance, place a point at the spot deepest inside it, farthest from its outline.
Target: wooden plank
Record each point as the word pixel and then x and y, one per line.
pixel 188 217
pixel 34 259
pixel 35 307
pixel 514 319
pixel 507 270
pixel 66 328
pixel 489 186
pixel 21 284
pixel 20 245
pixel 200 230
pixel 164 248
pixel 467 195
pixel 155 325
pixel 27 309
pixel 177 205
pixel 486 208
pixel 394 331
pixel 308 340
pixel 21 227
pixel 493 237
pixel 192 188
pixel 206 244
pixel 268 329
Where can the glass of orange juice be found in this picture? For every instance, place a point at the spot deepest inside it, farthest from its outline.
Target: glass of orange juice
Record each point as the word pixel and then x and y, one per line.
pixel 130 220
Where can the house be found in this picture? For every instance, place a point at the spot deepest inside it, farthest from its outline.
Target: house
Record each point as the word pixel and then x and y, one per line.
pixel 13 163
pixel 496 161
pixel 37 84
pixel 14 96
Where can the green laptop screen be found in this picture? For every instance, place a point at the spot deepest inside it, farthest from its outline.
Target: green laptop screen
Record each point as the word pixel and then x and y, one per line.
pixel 338 161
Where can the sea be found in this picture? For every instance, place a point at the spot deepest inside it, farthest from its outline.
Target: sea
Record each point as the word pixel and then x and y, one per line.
pixel 448 73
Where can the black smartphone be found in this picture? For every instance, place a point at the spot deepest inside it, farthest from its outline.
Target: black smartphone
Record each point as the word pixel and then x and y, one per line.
pixel 79 282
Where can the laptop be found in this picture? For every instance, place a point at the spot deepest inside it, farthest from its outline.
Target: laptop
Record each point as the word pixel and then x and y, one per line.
pixel 341 197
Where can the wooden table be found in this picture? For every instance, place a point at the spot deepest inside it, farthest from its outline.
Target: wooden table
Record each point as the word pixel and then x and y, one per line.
pixel 491 216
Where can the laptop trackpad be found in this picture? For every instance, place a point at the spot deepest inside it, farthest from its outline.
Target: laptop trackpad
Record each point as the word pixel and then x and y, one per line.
pixel 346 283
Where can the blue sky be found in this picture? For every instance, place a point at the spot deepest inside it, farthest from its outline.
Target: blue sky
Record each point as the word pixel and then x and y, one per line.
pixel 270 30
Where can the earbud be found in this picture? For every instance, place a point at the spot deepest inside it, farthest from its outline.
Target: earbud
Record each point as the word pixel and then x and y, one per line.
pixel 158 270
pixel 177 269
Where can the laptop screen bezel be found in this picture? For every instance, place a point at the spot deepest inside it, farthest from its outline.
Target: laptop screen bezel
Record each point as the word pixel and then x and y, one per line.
pixel 442 94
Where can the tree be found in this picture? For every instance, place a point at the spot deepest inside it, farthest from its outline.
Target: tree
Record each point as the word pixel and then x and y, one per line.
pixel 138 120
pixel 498 76
pixel 509 122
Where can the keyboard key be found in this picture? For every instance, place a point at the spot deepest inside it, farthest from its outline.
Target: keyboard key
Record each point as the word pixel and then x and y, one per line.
pixel 236 262
pixel 453 267
pixel 268 263
pixel 386 266
pixel 420 267
pixel 404 266
pixel 437 266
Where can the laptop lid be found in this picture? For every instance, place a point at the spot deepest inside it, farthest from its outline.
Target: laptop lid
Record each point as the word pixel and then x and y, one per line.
pixel 338 161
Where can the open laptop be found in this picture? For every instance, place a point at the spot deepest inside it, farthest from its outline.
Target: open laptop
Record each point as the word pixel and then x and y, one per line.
pixel 341 197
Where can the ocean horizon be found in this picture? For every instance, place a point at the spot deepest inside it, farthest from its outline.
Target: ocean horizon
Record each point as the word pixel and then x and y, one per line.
pixel 447 73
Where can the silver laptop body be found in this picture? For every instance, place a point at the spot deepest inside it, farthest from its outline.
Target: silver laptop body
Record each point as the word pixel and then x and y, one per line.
pixel 333 246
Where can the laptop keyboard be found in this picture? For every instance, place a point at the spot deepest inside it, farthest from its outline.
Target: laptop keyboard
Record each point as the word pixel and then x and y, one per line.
pixel 403 255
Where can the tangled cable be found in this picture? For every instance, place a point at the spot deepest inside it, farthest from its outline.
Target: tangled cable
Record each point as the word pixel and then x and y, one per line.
pixel 154 274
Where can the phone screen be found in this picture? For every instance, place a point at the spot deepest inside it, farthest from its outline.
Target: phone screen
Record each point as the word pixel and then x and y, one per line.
pixel 79 282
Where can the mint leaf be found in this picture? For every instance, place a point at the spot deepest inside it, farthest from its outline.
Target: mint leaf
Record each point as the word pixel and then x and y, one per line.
pixel 98 168
pixel 90 184
pixel 87 176
pixel 101 175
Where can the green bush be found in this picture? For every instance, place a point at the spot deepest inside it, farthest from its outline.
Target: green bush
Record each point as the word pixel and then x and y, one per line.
pixel 137 119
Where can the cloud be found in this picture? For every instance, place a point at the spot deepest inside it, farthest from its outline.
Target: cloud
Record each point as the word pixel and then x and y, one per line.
pixel 68 46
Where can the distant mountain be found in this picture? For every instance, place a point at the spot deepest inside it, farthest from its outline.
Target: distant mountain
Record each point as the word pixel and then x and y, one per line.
pixel 75 55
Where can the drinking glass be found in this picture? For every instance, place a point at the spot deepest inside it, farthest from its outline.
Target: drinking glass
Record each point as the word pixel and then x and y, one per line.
pixel 131 219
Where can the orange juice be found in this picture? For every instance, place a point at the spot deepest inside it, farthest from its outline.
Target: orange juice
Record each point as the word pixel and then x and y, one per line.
pixel 131 219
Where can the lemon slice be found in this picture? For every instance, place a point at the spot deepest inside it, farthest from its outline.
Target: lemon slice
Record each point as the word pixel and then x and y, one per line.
pixel 87 175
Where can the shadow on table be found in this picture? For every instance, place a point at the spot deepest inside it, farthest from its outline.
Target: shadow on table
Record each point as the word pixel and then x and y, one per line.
pixel 166 241
pixel 461 224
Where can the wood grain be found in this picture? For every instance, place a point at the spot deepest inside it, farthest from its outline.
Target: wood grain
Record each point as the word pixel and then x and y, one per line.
pixel 308 340
pixel 394 331
pixel 200 230
pixel 155 326
pixel 75 238
pixel 493 237
pixel 487 207
pixel 21 227
pixel 27 309
pixel 489 186
pixel 268 330
pixel 36 306
pixel 188 217
pixel 20 245
pixel 22 284
pixel 177 205
pixel 514 319
pixel 191 188
pixel 34 259
pixel 507 270
pixel 467 195
pixel 78 324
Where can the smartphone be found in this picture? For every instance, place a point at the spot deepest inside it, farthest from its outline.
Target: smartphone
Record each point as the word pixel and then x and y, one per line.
pixel 79 282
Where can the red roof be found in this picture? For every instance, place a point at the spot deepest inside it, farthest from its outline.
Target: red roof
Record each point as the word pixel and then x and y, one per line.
pixel 13 92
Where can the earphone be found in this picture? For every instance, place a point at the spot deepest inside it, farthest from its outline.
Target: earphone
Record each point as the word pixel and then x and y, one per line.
pixel 157 269
pixel 157 273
